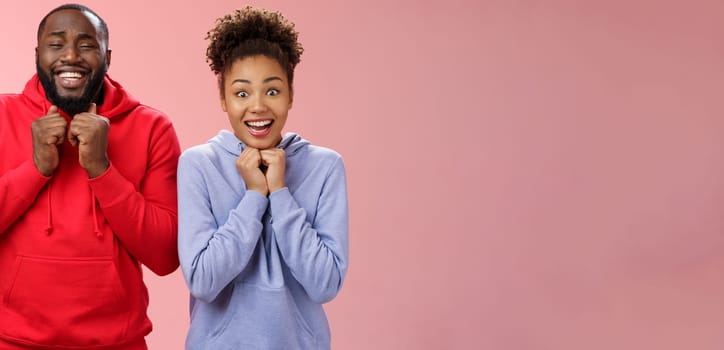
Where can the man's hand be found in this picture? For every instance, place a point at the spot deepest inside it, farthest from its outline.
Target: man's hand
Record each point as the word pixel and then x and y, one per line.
pixel 275 160
pixel 247 164
pixel 89 132
pixel 48 132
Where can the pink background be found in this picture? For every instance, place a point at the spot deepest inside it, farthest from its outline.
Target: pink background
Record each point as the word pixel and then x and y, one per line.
pixel 522 174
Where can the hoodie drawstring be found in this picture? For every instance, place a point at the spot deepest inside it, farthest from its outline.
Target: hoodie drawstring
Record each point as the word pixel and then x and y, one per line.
pixel 49 228
pixel 96 230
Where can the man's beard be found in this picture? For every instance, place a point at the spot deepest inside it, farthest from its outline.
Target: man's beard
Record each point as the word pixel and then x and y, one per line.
pixel 73 105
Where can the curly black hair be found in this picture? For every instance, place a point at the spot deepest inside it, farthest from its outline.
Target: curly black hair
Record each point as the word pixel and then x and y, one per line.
pixel 249 32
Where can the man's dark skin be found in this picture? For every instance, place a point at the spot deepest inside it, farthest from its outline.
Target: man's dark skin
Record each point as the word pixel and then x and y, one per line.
pixel 71 51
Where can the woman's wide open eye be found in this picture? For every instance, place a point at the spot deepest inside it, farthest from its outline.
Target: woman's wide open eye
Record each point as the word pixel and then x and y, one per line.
pixel 272 92
pixel 242 94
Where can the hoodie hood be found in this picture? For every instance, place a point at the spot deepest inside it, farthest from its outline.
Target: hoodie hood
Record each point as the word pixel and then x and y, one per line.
pixel 116 100
pixel 291 143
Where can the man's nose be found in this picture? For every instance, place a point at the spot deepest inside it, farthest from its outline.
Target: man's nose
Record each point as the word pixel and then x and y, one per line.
pixel 70 54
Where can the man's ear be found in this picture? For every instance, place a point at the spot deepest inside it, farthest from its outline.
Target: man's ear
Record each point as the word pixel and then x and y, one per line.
pixel 108 58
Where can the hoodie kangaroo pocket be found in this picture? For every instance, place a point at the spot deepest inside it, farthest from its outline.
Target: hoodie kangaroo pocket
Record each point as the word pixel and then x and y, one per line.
pixel 73 302
pixel 260 317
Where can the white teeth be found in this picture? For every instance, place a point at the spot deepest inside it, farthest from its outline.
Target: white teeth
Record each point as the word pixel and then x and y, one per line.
pixel 70 75
pixel 259 124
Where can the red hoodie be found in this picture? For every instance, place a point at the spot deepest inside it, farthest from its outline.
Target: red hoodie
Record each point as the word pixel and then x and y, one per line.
pixel 71 247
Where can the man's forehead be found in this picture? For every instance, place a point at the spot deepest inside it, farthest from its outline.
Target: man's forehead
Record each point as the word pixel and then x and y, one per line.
pixel 72 18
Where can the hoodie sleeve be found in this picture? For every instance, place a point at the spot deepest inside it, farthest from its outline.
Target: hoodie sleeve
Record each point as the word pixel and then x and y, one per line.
pixel 316 252
pixel 213 253
pixel 145 221
pixel 18 189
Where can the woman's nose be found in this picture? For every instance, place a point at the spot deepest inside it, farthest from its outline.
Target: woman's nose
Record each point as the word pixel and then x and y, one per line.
pixel 258 105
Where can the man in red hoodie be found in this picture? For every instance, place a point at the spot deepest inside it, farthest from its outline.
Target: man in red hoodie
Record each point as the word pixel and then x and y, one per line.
pixel 87 195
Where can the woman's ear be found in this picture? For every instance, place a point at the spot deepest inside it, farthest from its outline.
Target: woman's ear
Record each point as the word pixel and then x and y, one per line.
pixel 222 99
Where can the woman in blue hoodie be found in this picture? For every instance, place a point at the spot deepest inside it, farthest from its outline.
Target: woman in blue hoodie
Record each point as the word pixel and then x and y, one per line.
pixel 263 226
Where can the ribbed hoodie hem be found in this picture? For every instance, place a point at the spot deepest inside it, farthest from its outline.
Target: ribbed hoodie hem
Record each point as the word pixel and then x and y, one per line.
pixel 138 344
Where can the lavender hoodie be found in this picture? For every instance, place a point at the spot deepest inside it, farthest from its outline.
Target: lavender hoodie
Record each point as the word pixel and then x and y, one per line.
pixel 259 268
